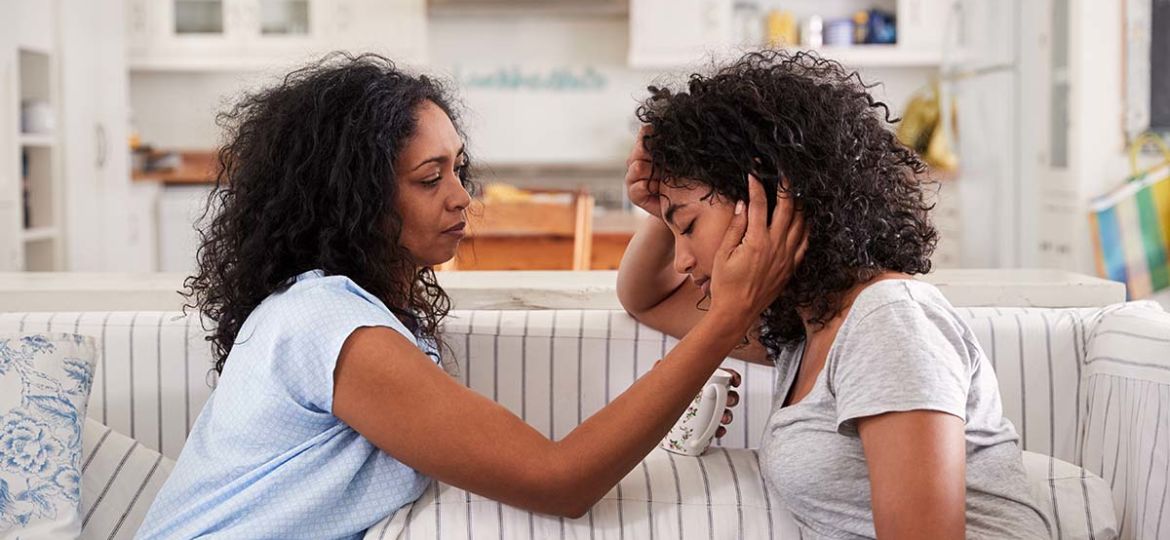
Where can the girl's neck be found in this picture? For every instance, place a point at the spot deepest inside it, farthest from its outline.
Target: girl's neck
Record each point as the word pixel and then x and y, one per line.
pixel 848 296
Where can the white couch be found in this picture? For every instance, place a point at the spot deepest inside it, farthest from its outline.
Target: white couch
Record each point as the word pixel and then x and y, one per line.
pixel 1088 386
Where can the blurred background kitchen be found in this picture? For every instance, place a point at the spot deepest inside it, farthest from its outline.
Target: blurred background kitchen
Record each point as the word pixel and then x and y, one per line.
pixel 1039 118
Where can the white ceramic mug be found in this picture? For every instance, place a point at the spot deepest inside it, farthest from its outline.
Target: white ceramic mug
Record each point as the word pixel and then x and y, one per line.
pixel 693 432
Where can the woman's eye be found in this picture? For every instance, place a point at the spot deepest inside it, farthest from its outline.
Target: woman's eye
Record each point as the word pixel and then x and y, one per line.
pixel 690 227
pixel 432 182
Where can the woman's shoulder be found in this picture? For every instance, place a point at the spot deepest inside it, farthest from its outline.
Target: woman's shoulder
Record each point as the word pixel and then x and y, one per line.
pixel 312 300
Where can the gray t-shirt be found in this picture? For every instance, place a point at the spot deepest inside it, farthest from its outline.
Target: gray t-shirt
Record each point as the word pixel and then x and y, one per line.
pixel 902 347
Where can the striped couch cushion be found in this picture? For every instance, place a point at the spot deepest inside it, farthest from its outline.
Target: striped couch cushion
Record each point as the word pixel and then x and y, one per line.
pixel 719 495
pixel 1080 501
pixel 715 496
pixel 1127 427
pixel 120 478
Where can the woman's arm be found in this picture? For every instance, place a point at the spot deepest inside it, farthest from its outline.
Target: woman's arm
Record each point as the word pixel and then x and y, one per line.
pixel 917 463
pixel 396 397
pixel 392 394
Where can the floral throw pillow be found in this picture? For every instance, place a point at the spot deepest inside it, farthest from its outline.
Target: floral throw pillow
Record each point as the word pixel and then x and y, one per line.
pixel 45 381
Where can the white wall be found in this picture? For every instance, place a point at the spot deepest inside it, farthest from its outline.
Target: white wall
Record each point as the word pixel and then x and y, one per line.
pixel 174 109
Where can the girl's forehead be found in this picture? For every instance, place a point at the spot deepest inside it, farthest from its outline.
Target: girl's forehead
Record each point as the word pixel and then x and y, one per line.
pixel 684 191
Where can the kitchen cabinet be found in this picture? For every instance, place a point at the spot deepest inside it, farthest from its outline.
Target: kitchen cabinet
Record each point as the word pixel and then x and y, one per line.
pixel 180 208
pixel 31 210
pixel 110 223
pixel 682 34
pixel 674 33
pixel 204 35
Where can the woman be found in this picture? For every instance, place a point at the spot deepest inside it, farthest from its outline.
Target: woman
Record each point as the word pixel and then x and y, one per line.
pixel 340 189
pixel 887 419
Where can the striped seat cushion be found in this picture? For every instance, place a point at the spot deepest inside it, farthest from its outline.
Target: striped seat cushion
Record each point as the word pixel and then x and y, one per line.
pixel 1080 501
pixel 719 495
pixel 119 480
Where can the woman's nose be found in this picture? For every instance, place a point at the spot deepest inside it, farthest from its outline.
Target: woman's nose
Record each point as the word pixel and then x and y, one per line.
pixel 461 199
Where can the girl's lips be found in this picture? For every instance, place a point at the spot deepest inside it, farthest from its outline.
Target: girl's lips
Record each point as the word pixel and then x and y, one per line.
pixel 457 230
pixel 705 285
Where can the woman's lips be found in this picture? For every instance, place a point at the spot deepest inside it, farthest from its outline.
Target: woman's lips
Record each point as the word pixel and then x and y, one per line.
pixel 457 230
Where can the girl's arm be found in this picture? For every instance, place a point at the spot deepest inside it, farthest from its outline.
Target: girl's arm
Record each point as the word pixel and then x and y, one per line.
pixel 917 463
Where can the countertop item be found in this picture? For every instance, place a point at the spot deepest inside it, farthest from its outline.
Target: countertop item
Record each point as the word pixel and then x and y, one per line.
pixel 196 167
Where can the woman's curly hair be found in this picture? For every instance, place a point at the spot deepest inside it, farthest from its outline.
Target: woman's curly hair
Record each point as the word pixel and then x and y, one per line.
pixel 801 118
pixel 306 181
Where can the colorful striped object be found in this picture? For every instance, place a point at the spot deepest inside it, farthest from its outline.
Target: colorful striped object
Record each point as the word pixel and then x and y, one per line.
pixel 1131 232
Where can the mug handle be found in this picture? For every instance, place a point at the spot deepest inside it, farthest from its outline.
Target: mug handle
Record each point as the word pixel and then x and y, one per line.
pixel 716 413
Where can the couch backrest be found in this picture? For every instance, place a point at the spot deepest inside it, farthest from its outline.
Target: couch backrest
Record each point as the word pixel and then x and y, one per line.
pixel 556 367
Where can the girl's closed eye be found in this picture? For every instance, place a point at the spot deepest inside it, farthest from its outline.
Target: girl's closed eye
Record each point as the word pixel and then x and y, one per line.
pixel 690 227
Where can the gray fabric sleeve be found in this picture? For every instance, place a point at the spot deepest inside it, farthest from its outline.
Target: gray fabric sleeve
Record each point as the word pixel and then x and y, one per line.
pixel 901 356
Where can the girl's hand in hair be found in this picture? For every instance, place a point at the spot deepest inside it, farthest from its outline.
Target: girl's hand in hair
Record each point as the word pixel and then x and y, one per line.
pixel 640 187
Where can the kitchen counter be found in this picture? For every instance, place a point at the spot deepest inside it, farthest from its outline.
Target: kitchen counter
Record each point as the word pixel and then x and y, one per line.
pixel 540 289
pixel 196 168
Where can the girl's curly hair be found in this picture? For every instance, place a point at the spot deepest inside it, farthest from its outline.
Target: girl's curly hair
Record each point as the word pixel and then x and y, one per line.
pixel 801 118
pixel 306 181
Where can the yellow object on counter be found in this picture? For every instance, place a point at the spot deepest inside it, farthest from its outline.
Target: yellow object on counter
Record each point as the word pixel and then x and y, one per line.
pixel 782 29
pixel 504 193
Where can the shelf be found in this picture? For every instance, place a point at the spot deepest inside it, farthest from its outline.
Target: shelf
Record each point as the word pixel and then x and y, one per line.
pixel 38 234
pixel 526 8
pixel 886 56
pixel 857 56
pixel 29 48
pixel 42 140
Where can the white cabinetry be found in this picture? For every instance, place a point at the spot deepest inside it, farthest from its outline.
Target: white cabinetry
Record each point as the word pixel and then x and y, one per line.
pixel 179 211
pixel 110 226
pixel 670 34
pixel 258 34
pixel 31 212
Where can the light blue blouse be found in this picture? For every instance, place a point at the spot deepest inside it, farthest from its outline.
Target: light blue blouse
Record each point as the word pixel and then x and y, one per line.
pixel 266 457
